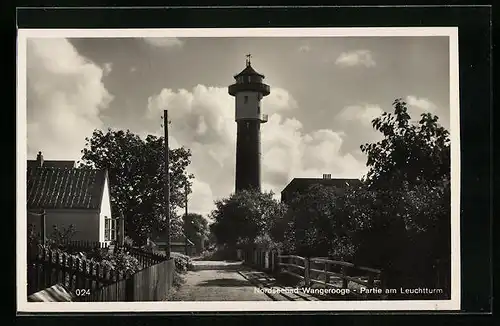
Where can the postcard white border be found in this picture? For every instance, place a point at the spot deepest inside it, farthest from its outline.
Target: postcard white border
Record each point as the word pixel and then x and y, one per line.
pixel 187 306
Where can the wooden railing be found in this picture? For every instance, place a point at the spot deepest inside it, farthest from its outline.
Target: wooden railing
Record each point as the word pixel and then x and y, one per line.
pixel 295 266
pixel 325 271
pixel 315 270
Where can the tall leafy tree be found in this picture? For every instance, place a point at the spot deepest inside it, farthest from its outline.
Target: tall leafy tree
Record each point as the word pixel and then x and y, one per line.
pixel 409 152
pixel 244 216
pixel 407 229
pixel 136 174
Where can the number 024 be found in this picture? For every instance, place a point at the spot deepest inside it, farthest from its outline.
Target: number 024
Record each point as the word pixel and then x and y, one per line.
pixel 82 292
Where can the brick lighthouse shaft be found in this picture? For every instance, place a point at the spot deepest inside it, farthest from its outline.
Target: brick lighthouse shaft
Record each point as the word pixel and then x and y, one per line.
pixel 248 155
pixel 248 91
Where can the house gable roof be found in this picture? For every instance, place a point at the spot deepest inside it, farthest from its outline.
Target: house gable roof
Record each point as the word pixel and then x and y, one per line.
pixel 51 164
pixel 65 188
pixel 300 184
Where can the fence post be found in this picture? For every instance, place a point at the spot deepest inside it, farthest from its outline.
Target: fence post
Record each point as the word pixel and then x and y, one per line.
pixel 273 259
pixel 327 277
pixel 344 280
pixel 382 280
pixel 129 289
pixel 307 279
pixel 370 279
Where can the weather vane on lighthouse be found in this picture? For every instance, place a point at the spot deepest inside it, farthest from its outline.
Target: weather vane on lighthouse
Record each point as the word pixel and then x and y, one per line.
pixel 248 59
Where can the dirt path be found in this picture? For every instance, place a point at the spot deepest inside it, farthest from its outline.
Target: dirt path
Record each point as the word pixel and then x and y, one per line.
pixel 217 285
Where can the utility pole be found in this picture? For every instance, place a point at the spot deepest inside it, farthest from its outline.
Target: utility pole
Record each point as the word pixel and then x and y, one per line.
pixel 121 238
pixel 186 196
pixel 186 240
pixel 167 183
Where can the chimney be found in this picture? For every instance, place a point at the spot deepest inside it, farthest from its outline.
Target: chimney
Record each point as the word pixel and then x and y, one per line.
pixel 327 176
pixel 39 159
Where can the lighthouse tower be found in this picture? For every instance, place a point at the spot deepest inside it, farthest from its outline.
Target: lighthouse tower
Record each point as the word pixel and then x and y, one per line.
pixel 248 91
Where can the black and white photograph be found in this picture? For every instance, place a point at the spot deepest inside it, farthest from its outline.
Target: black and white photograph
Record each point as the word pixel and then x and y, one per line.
pixel 232 169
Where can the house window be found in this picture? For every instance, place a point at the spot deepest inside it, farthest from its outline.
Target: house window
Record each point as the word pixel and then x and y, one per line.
pixel 245 99
pixel 110 226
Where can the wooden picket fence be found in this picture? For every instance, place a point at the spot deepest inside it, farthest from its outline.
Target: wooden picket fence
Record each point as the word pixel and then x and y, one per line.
pixel 150 284
pixel 47 267
pixel 93 281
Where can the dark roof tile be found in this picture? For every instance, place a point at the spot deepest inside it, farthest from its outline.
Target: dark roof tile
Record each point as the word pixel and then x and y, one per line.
pixel 52 164
pixel 249 71
pixel 50 187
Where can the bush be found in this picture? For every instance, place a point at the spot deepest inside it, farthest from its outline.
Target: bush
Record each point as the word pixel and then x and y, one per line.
pixel 33 237
pixel 128 242
pixel 60 237
pixel 122 261
pixel 178 280
pixel 182 262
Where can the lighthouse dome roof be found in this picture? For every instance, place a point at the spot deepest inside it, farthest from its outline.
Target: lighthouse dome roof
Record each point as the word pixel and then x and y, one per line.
pixel 249 71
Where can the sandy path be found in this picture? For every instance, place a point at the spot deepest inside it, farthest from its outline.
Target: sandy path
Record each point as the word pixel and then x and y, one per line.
pixel 217 285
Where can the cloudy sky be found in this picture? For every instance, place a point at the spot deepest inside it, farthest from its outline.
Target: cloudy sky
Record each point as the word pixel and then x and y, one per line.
pixel 324 93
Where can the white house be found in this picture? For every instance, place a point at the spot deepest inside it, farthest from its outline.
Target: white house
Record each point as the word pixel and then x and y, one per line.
pixel 70 195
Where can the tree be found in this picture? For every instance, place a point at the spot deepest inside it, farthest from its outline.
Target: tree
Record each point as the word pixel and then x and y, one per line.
pixel 407 199
pixel 240 218
pixel 135 168
pixel 195 227
pixel 409 152
pixel 322 222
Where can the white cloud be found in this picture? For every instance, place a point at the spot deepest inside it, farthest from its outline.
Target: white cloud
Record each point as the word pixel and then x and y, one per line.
pixel 107 68
pixel 201 199
pixel 164 42
pixel 304 48
pixel 65 96
pixel 363 113
pixel 203 121
pixel 133 69
pixel 356 58
pixel 279 100
pixel 421 105
pixel 356 121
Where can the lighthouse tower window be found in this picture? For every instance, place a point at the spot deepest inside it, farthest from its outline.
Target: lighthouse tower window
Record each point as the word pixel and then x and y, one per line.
pixel 245 99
